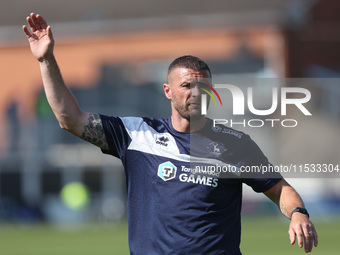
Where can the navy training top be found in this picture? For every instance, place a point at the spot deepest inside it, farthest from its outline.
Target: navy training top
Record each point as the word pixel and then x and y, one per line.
pixel 176 206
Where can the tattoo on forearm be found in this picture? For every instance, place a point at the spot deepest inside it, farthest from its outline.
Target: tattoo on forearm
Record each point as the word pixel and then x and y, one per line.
pixel 94 132
pixel 284 210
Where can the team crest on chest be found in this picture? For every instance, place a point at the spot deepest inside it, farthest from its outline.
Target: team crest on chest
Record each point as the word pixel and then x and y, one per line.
pixel 216 148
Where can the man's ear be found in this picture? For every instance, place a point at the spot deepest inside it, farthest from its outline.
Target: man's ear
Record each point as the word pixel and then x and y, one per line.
pixel 167 90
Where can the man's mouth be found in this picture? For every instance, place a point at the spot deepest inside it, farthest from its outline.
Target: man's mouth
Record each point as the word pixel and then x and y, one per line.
pixel 195 103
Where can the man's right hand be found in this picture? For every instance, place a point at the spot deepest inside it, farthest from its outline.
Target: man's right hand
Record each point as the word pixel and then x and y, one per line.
pixel 40 38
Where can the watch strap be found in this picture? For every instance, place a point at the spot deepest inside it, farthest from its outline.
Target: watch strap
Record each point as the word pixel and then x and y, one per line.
pixel 300 210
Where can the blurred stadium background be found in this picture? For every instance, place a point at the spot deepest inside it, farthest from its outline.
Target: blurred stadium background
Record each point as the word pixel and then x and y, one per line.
pixel 114 56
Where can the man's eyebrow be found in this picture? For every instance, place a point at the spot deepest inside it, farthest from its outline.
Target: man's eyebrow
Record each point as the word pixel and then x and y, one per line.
pixel 187 81
pixel 202 84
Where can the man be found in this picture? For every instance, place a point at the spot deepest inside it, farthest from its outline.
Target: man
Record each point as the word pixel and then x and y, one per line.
pixel 171 209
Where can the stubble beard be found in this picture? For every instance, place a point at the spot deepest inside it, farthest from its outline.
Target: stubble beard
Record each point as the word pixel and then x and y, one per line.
pixel 185 112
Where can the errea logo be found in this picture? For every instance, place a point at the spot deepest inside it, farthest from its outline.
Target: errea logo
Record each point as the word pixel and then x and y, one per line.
pixel 167 171
pixel 162 140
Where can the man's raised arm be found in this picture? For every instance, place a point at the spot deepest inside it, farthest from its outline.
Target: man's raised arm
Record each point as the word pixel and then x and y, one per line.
pixel 87 126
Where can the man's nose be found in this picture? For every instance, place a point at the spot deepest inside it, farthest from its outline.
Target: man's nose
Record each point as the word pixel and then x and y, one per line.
pixel 195 91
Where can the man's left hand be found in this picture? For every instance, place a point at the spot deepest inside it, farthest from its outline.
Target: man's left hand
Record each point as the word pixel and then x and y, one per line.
pixel 303 229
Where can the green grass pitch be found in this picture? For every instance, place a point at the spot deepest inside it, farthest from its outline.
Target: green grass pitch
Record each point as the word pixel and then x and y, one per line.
pixel 259 236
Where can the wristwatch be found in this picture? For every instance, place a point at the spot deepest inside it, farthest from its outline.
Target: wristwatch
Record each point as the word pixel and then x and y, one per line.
pixel 300 210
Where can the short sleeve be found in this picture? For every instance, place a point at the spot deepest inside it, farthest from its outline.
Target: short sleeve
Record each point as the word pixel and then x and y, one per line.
pixel 253 165
pixel 116 135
